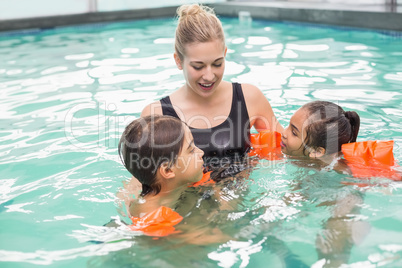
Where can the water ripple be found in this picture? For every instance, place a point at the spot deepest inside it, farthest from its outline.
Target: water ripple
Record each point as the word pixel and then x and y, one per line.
pixel 67 94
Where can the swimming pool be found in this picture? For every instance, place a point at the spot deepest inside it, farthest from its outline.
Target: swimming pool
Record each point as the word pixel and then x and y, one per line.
pixel 68 93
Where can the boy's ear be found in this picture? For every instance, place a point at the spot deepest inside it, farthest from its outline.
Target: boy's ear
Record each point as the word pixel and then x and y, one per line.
pixel 178 61
pixel 226 50
pixel 166 172
pixel 317 153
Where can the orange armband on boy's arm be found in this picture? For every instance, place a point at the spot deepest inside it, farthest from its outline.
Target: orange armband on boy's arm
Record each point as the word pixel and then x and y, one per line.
pixel 206 179
pixel 157 223
pixel 266 144
pixel 371 159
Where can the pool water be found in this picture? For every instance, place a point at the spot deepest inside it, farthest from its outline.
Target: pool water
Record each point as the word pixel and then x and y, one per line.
pixel 68 93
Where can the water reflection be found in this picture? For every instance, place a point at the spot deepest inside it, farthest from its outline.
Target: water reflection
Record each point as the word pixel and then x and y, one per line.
pixel 67 96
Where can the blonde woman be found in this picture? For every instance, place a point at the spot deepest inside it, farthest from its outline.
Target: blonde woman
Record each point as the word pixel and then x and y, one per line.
pixel 219 113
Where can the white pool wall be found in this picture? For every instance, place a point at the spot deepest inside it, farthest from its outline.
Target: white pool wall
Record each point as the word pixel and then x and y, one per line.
pixel 42 14
pixel 18 9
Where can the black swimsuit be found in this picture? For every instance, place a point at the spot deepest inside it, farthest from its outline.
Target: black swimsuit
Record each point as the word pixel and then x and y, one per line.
pixel 228 139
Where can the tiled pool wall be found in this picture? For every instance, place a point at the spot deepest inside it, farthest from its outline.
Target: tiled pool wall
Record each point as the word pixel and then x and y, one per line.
pixel 371 14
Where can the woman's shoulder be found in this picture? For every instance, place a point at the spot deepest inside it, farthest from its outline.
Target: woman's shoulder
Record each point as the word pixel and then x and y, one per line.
pixel 251 92
pixel 152 108
pixel 247 85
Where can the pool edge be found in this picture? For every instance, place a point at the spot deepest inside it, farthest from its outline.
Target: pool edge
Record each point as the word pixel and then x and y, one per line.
pixel 368 19
pixel 85 18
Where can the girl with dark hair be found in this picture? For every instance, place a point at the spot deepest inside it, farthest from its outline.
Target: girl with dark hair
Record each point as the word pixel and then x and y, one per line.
pixel 318 130
pixel 321 130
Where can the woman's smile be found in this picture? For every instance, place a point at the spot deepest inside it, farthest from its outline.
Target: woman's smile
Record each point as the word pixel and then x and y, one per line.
pixel 206 86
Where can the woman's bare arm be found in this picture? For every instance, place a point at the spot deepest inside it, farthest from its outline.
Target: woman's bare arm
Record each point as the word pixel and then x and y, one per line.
pixel 259 109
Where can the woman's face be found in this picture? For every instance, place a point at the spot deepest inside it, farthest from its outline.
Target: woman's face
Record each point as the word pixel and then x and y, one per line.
pixel 294 135
pixel 203 66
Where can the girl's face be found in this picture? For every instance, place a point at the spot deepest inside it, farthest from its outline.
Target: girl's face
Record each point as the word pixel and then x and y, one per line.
pixel 294 135
pixel 203 66
pixel 189 165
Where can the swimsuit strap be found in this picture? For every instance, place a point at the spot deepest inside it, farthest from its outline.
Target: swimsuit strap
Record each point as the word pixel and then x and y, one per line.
pixel 235 112
pixel 167 107
pixel 227 139
pixel 239 113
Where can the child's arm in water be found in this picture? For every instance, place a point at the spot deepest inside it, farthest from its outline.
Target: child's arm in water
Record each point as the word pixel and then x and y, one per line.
pixel 341 231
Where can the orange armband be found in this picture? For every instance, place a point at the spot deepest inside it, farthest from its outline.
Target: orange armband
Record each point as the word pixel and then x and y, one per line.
pixel 266 144
pixel 206 179
pixel 371 159
pixel 157 223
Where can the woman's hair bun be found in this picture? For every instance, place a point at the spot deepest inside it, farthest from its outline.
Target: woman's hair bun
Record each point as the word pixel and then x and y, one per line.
pixel 196 24
pixel 191 10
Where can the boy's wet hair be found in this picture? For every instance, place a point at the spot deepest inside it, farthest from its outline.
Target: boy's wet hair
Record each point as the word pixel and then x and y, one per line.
pixel 329 126
pixel 146 144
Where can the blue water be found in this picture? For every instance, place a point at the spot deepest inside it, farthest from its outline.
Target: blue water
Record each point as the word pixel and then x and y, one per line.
pixel 68 93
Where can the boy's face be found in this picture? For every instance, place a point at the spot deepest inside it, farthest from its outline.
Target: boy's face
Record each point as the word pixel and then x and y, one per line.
pixel 189 165
pixel 294 135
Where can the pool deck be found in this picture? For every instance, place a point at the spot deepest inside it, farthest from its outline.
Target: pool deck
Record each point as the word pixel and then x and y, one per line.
pixel 382 17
